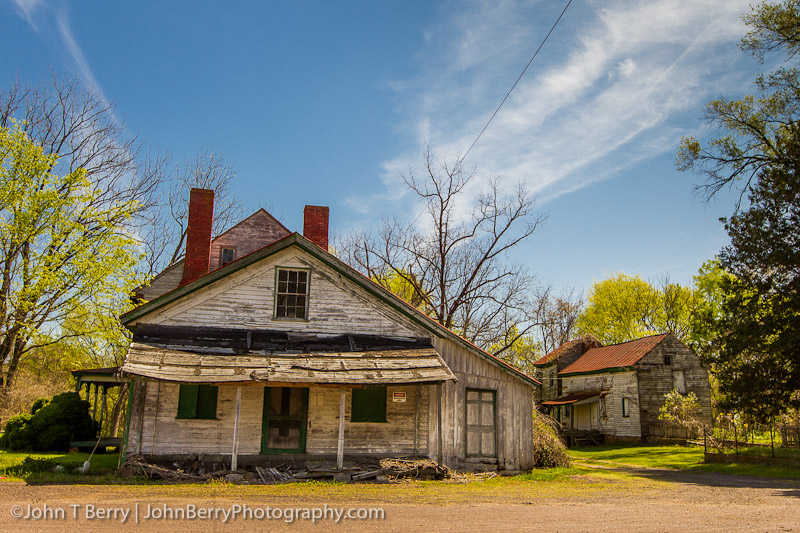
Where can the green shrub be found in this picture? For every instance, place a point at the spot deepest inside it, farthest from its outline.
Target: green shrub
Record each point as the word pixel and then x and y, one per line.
pixel 18 434
pixel 38 404
pixel 52 426
pixel 548 449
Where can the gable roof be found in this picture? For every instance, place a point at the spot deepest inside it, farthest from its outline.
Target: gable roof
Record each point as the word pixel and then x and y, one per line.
pixel 373 288
pixel 260 212
pixel 616 356
pixel 555 354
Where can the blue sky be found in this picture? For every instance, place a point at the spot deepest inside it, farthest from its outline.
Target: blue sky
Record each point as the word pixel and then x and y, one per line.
pixel 323 102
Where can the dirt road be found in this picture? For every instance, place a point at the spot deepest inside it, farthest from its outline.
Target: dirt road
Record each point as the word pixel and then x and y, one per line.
pixel 639 500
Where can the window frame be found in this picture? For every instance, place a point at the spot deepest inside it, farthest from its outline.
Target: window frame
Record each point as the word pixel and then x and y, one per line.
pixel 682 381
pixel 278 269
pixel 222 249
pixel 195 401
pixel 371 396
pixel 626 407
pixel 668 359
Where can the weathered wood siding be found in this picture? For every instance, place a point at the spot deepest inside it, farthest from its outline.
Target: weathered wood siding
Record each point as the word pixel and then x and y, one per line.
pixel 153 419
pixel 514 407
pixel 167 280
pixel 254 232
pixel 404 433
pixel 655 380
pixel 548 375
pixel 245 299
pixel 619 385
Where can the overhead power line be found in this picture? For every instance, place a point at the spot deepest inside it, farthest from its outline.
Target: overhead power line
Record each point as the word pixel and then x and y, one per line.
pixel 519 78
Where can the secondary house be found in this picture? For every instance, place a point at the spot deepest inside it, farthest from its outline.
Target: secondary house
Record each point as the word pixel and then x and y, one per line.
pixel 278 351
pixel 617 391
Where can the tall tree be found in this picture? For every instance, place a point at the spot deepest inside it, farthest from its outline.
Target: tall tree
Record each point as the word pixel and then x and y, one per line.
pixel 455 256
pixel 623 308
pixel 65 254
pixel 755 353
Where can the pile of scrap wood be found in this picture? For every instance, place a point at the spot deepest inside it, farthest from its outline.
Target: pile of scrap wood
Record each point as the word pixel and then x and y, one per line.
pixel 365 470
pixel 414 468
pixel 138 466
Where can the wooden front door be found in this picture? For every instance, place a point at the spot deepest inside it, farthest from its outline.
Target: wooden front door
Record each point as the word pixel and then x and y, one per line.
pixel 481 434
pixel 285 415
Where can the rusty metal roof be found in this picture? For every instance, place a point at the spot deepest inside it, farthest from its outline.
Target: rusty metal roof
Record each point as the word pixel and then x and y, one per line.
pixel 614 356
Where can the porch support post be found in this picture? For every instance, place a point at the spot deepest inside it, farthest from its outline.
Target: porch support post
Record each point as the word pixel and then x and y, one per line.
pixel 235 451
pixel 103 408
pixel 340 445
pixel 94 410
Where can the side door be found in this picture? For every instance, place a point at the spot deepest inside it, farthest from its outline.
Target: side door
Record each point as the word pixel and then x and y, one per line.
pixel 481 425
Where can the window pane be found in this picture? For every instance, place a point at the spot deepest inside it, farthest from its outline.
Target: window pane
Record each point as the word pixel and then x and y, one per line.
pixel 291 295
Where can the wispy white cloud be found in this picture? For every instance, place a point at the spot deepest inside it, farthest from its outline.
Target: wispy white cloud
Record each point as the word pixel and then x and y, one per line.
pixel 26 9
pixel 614 86
pixel 42 15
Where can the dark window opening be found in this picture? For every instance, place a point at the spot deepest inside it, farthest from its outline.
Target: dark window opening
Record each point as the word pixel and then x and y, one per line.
pixel 368 405
pixel 197 401
pixel 226 256
pixel 667 360
pixel 626 408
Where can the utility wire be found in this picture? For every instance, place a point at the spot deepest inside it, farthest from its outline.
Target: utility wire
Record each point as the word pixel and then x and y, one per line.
pixel 516 82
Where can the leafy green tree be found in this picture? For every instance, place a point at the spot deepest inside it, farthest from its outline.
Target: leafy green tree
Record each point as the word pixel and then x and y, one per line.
pixel 66 254
pixel 683 410
pixel 755 351
pixel 623 308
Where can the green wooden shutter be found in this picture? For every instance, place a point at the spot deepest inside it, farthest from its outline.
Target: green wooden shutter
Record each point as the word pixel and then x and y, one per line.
pixel 207 401
pixel 368 405
pixel 187 401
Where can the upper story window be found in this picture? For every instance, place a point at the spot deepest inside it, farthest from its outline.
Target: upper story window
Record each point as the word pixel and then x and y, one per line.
pixel 291 293
pixel 668 360
pixel 226 256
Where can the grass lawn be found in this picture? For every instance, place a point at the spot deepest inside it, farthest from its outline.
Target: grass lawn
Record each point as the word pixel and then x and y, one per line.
pixel 675 457
pixel 34 467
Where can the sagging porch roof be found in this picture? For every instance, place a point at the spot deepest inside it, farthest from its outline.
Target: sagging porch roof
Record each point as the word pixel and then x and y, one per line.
pixel 191 355
pixel 576 398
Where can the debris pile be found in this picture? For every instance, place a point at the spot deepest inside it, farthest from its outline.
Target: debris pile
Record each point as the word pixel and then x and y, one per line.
pixel 414 468
pixel 383 471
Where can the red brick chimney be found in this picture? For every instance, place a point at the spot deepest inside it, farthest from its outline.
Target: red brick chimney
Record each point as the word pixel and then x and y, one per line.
pixel 198 235
pixel 315 225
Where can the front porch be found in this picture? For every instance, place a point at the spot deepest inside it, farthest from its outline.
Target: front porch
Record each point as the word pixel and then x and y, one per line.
pixel 347 395
pixel 579 415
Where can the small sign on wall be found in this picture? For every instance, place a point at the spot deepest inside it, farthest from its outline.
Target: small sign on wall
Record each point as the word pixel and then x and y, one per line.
pixel 399 397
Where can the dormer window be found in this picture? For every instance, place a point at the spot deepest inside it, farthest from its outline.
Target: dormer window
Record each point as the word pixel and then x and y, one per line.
pixel 226 256
pixel 291 293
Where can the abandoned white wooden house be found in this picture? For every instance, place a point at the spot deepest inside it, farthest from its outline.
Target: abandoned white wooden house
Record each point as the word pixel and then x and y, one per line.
pixel 261 343
pixel 617 391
